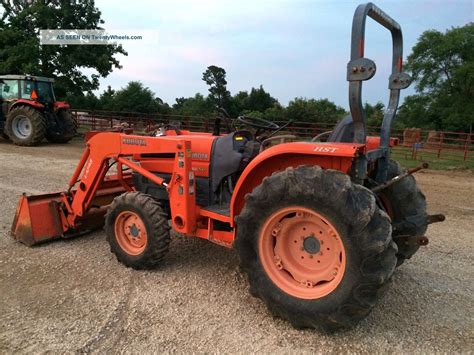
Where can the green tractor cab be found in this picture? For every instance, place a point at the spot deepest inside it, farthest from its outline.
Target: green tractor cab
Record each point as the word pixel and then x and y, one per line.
pixel 29 111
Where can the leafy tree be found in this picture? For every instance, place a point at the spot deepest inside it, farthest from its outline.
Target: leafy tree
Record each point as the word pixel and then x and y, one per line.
pixel 87 102
pixel 414 113
pixel 317 111
pixel 374 113
pixel 21 52
pixel 215 78
pixel 275 113
pixel 256 114
pixel 194 106
pixel 107 99
pixel 238 103
pixel 259 100
pixel 136 98
pixel 442 65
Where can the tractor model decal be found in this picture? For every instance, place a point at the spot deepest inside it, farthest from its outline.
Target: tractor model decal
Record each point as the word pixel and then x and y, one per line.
pixel 200 156
pixel 326 149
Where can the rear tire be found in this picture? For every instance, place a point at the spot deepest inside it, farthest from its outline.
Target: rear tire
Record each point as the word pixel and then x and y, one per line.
pixel 137 230
pixel 25 126
pixel 406 205
pixel 64 130
pixel 348 213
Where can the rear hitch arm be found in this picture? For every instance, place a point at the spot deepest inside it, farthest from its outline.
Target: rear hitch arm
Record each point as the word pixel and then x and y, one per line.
pixel 397 178
pixel 435 218
pixel 421 240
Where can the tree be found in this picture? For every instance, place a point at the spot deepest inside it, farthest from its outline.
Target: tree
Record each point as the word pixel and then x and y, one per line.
pixel 86 102
pixel 414 113
pixel 21 52
pixel 317 111
pixel 214 77
pixel 275 113
pixel 194 106
pixel 136 98
pixel 442 66
pixel 238 103
pixel 374 114
pixel 107 99
pixel 259 100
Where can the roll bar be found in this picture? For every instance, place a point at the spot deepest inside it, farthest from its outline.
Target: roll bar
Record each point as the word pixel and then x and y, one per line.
pixel 360 69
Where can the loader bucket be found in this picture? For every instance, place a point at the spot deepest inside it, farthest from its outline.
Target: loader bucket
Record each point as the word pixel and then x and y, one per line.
pixel 37 219
pixel 40 218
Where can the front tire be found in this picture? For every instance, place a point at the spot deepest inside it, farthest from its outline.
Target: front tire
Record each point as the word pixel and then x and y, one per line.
pixel 319 256
pixel 137 230
pixel 25 126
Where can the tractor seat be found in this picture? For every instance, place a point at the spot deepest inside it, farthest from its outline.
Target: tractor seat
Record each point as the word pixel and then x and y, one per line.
pixel 231 154
pixel 343 132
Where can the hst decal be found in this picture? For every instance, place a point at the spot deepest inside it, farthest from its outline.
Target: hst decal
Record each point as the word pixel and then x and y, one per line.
pixel 326 149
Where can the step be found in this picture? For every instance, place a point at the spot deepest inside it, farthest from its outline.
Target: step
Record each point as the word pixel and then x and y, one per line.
pixel 218 212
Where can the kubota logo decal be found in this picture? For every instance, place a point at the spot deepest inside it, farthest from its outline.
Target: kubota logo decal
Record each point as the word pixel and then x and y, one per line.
pixel 326 149
pixel 134 141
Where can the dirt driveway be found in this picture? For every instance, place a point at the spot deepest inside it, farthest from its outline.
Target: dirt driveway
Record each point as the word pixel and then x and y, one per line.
pixel 74 296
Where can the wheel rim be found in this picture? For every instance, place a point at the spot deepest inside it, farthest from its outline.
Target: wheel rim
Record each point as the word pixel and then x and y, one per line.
pixel 130 232
pixel 21 126
pixel 302 252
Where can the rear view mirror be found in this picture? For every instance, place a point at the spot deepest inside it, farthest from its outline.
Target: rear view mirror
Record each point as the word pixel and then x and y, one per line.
pixel 6 88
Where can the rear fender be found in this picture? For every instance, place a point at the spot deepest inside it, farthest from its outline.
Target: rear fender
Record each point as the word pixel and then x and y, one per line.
pixel 374 142
pixel 61 105
pixel 24 102
pixel 338 156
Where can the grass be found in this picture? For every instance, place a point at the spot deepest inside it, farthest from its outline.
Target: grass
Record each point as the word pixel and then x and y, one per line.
pixel 448 160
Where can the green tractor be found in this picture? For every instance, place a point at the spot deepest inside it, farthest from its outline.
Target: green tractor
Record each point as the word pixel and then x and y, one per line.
pixel 31 113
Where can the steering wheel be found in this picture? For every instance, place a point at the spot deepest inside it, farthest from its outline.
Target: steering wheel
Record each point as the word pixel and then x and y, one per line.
pixel 258 123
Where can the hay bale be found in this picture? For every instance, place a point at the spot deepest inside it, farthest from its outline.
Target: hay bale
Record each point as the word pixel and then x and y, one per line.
pixel 411 136
pixel 433 140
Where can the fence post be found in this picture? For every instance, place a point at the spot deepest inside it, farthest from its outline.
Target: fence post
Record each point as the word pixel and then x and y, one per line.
pixel 466 145
pixel 440 146
pixel 414 150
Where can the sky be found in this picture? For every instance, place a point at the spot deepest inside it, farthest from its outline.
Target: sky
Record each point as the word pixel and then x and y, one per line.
pixel 296 48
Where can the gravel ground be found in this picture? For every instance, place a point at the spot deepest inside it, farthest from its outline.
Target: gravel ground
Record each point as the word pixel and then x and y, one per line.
pixel 73 295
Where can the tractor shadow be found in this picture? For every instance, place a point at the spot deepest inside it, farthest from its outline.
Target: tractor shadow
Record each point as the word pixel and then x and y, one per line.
pixel 189 252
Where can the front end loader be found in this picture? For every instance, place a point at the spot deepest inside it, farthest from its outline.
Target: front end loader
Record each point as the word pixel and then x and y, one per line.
pixel 319 227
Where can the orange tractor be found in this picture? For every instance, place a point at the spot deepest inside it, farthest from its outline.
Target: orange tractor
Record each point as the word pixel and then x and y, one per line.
pixel 319 227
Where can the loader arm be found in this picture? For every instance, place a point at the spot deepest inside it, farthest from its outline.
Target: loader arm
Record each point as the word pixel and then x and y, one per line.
pixel 91 189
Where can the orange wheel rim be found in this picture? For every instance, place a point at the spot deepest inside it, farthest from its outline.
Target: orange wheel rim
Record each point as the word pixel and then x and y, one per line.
pixel 302 252
pixel 130 233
